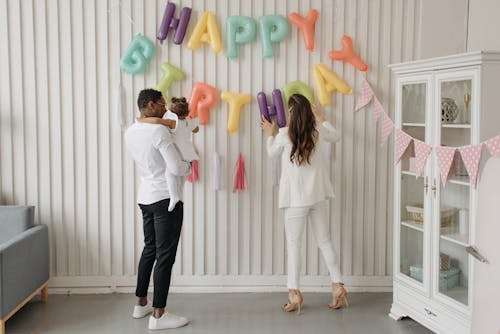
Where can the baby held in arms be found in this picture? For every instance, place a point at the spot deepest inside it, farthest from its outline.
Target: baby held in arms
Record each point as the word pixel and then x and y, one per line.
pixel 181 128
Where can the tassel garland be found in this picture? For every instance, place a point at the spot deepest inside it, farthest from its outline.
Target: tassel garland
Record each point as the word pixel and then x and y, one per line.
pixel 239 175
pixel 193 177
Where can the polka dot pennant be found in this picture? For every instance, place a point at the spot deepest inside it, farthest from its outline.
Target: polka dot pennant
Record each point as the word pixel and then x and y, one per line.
pixel 377 109
pixel 493 146
pixel 402 142
pixel 471 155
pixel 365 97
pixel 445 158
pixel 422 151
pixel 387 126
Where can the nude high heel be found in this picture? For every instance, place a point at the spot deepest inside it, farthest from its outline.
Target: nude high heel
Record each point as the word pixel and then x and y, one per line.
pixel 339 295
pixel 294 299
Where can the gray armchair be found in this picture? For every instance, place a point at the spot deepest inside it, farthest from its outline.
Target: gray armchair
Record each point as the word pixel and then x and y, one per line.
pixel 24 260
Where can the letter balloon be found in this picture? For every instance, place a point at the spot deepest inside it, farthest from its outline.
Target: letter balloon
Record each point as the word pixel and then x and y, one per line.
pixel 202 98
pixel 137 55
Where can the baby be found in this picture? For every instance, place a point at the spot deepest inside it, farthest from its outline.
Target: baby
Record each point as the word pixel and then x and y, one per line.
pixel 181 128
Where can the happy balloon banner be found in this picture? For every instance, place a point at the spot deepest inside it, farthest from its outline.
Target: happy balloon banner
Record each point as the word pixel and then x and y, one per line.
pixel 240 30
pixel 470 154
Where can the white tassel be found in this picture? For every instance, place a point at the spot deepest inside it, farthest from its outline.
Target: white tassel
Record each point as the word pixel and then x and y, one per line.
pixel 217 172
pixel 121 106
pixel 276 169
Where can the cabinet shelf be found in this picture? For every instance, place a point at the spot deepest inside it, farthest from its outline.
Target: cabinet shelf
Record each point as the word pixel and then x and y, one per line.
pixel 458 293
pixel 407 172
pixel 456 126
pixel 414 226
pixel 456 238
pixel 414 124
pixel 461 180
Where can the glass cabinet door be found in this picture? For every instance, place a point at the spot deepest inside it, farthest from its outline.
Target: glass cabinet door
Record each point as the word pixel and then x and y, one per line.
pixel 412 219
pixel 452 260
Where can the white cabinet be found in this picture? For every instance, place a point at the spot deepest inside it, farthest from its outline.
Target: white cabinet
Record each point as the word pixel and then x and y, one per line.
pixel 449 101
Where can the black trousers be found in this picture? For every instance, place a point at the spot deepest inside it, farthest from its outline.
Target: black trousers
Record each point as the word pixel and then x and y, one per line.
pixel 162 230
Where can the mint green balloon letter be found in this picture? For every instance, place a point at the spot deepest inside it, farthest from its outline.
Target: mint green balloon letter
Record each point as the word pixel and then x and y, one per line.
pixel 138 54
pixel 273 29
pixel 239 30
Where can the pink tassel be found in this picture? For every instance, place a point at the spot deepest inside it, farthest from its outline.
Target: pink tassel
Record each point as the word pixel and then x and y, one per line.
pixel 193 177
pixel 239 175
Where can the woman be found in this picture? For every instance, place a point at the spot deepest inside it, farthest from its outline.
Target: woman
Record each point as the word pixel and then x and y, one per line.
pixel 304 191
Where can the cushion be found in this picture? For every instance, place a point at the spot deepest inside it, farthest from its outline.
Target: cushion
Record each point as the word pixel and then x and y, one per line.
pixel 15 219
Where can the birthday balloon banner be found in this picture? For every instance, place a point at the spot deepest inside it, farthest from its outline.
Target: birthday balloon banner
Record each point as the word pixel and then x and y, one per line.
pixel 471 154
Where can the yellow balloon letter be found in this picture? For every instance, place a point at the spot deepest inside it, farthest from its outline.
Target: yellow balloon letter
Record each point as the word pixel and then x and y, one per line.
pixel 205 31
pixel 235 101
pixel 326 82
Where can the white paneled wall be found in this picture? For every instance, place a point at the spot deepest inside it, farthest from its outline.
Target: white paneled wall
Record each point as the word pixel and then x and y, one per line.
pixel 61 148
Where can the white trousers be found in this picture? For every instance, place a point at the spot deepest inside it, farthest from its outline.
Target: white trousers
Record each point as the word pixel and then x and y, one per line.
pixel 295 222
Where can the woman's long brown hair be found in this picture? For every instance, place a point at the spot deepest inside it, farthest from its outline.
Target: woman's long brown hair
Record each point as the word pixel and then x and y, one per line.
pixel 301 130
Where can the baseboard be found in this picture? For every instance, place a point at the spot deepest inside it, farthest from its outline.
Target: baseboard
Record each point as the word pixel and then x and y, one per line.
pixel 215 284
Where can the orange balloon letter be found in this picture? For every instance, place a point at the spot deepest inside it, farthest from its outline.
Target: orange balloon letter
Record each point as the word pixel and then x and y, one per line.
pixel 306 26
pixel 347 54
pixel 202 98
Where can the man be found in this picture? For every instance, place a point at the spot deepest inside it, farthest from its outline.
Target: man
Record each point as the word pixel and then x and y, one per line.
pixel 152 148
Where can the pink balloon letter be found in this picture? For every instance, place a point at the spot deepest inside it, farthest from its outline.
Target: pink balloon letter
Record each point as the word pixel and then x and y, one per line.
pixel 202 98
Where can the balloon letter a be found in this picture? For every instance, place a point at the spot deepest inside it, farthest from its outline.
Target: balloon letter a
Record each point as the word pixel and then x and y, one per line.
pixel 205 31
pixel 326 81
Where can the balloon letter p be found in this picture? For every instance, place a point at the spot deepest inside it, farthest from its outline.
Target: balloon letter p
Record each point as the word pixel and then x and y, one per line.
pixel 239 30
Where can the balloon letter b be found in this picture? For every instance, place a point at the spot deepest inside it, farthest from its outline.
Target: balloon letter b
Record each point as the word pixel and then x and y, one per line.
pixel 171 74
pixel 326 81
pixel 235 101
pixel 306 26
pixel 273 29
pixel 239 30
pixel 138 53
pixel 297 87
pixel 202 98
pixel 205 31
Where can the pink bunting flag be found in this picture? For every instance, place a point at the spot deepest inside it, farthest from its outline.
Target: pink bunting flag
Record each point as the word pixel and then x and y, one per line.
pixel 422 151
pixel 471 155
pixel 387 126
pixel 445 158
pixel 365 97
pixel 402 142
pixel 377 109
pixel 493 146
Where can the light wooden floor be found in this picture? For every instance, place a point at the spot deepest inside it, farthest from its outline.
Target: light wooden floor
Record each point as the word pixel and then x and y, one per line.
pixel 212 313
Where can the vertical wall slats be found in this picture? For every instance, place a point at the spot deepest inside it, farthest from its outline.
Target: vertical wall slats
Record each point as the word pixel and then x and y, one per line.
pixel 62 149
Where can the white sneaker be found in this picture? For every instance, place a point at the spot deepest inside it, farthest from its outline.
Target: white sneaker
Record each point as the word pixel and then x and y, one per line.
pixel 167 320
pixel 142 311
